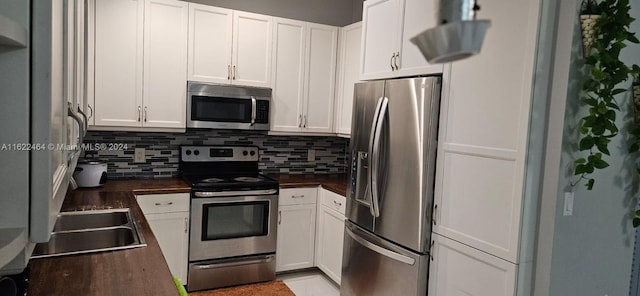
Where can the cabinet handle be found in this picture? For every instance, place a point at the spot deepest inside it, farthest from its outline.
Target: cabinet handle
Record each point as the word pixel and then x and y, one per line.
pixel 391 61
pixel 145 113
pixel 305 122
pixel 186 225
pixel 228 72
pixel 435 211
pixel 395 61
pixel 279 217
pixel 298 196
pixel 234 72
pixel 90 109
pixel 300 121
pixel 164 204
pixel 86 121
pixel 139 113
pixel 337 203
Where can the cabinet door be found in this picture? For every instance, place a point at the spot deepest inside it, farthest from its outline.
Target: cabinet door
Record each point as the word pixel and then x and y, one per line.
pixel 322 47
pixel 251 49
pixel 118 62
pixel 210 31
pixel 296 237
pixel 349 63
pixel 288 75
pixel 172 232
pixel 165 53
pixel 330 238
pixel 457 269
pixel 419 15
pixel 381 23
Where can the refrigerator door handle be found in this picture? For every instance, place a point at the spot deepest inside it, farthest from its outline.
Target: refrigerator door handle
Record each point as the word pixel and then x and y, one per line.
pixel 380 250
pixel 372 136
pixel 374 146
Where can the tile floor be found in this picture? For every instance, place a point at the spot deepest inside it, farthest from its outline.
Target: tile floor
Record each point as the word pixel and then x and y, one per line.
pixel 310 283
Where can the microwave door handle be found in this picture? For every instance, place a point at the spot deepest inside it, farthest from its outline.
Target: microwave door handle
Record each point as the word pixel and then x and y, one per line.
pixel 372 142
pixel 253 110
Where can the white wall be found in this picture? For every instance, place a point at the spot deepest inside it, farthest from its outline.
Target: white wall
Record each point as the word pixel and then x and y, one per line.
pixel 330 12
pixel 590 252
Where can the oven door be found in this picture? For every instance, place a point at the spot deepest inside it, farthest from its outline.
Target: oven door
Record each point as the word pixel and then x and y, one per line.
pixel 232 226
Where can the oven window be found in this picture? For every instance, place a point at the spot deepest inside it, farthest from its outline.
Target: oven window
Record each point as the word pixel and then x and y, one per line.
pixel 235 220
pixel 220 109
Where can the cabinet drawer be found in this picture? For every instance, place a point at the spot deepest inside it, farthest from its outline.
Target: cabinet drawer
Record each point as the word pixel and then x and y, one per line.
pixel 163 203
pixel 298 196
pixel 334 201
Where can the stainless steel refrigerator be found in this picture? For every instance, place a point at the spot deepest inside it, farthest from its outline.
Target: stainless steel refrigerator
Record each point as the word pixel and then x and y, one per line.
pixel 390 198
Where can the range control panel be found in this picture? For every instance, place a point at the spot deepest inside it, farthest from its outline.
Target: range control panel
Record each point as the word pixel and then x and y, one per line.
pixel 218 153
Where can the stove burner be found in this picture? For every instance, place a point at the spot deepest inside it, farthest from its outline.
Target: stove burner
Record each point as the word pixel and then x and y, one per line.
pixel 211 180
pixel 247 179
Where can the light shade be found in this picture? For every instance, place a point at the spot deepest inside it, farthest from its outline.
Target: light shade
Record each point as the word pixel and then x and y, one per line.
pixel 452 41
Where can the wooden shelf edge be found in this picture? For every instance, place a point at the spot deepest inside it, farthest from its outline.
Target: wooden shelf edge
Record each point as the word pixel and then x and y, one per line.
pixel 12 34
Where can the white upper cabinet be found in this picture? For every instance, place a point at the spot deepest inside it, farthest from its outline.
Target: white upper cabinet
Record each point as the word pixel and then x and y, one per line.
pixel 210 31
pixel 227 46
pixel 304 57
pixel 388 25
pixel 251 49
pixel 348 65
pixel 288 75
pixel 118 62
pixel 140 71
pixel 165 53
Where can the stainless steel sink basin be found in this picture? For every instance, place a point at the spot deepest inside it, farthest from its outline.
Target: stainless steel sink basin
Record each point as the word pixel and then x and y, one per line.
pixel 91 219
pixel 92 231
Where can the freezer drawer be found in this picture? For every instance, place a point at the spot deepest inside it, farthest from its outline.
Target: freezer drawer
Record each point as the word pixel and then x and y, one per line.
pixel 372 266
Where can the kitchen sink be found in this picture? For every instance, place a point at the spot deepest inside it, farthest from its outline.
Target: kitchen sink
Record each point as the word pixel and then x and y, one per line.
pixel 91 219
pixel 92 231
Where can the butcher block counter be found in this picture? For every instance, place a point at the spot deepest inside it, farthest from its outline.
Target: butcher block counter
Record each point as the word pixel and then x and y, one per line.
pixel 332 182
pixel 138 271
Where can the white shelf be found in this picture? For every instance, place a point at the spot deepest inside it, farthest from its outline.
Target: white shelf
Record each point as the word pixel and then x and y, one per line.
pixel 12 242
pixel 12 34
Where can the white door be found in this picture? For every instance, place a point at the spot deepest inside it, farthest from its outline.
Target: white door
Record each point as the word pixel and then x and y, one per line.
pixel 457 269
pixel 210 42
pixel 296 237
pixel 419 15
pixel 118 62
pixel 172 232
pixel 251 49
pixel 165 70
pixel 381 23
pixel 322 47
pixel 350 37
pixel 330 242
pixel 288 75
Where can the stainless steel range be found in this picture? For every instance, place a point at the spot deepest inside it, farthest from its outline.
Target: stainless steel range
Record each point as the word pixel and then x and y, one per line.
pixel 233 217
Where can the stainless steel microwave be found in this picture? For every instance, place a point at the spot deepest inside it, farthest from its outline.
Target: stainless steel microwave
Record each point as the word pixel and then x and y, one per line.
pixel 219 106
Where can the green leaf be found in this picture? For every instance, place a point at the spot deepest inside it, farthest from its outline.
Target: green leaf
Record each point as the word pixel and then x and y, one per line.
pixel 636 222
pixel 637 212
pixel 597 74
pixel 580 169
pixel 590 184
pixel 591 102
pixel 586 143
pixel 634 148
pixel 600 164
pixel 580 161
pixel 617 91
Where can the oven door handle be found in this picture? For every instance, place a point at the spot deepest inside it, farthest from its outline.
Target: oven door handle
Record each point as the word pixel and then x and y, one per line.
pixel 253 110
pixel 266 259
pixel 235 193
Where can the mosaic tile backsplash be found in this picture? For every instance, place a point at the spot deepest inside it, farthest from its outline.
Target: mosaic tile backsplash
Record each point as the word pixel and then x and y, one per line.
pixel 278 154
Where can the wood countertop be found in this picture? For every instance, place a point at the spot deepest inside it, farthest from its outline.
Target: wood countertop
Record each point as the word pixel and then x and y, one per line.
pixel 337 183
pixel 138 271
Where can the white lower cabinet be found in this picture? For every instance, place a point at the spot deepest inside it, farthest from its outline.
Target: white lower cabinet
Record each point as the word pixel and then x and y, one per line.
pixel 296 228
pixel 457 269
pixel 168 216
pixel 330 234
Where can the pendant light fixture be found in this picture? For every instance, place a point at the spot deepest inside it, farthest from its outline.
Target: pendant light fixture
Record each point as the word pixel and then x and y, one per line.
pixel 458 36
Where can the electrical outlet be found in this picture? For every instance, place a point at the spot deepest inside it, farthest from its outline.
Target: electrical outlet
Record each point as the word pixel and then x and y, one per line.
pixel 138 155
pixel 568 204
pixel 311 155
